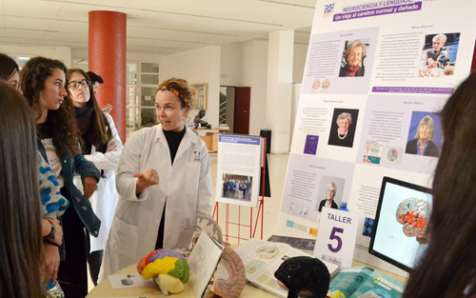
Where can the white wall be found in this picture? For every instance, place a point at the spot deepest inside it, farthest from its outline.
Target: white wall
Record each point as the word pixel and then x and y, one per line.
pixel 67 55
pixel 300 54
pixel 63 54
pixel 255 75
pixel 82 54
pixel 230 64
pixel 244 64
pixel 279 88
pixel 198 66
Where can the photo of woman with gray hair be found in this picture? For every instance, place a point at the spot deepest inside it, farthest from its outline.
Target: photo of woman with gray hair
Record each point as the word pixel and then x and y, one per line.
pixel 342 129
pixel 329 200
pixel 422 143
pixel 354 55
pixel 437 51
pixel 439 55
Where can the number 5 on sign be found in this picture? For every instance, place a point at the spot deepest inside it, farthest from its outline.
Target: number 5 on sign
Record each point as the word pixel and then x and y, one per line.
pixel 336 236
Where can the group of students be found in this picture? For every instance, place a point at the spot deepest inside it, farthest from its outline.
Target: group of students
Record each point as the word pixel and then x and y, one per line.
pixel 240 189
pixel 72 136
pixel 58 156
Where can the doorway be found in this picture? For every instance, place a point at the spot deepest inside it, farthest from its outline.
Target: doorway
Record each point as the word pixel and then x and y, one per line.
pixel 241 123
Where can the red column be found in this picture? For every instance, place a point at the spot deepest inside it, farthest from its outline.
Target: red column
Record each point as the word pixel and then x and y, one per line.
pixel 107 58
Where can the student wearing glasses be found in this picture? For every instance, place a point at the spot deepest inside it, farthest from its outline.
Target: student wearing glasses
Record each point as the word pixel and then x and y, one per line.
pixel 102 146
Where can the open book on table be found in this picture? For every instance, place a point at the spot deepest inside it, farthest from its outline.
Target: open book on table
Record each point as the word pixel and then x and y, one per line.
pixel 203 261
pixel 364 282
pixel 263 258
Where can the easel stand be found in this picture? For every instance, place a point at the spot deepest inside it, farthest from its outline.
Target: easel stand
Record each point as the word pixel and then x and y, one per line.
pixel 243 223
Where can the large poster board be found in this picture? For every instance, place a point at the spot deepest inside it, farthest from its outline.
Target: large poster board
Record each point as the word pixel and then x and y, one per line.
pixel 377 73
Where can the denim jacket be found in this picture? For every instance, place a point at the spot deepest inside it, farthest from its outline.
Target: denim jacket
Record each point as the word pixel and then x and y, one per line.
pixel 82 206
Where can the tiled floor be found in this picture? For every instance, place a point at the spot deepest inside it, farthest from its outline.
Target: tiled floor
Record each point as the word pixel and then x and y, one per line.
pixel 277 171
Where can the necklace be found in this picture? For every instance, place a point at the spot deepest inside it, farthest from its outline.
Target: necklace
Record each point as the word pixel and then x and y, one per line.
pixel 338 134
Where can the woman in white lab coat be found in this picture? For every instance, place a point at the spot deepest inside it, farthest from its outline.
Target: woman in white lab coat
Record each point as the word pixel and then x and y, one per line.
pixel 164 182
pixel 102 146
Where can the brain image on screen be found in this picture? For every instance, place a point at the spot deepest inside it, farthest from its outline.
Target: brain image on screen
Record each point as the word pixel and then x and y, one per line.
pixel 413 214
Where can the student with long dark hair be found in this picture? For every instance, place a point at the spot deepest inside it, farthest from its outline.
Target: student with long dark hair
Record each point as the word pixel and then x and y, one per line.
pixel 20 227
pixel 448 268
pixel 102 146
pixel 53 204
pixel 44 86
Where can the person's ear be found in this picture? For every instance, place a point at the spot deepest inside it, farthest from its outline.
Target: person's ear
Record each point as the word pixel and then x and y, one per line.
pixel 186 112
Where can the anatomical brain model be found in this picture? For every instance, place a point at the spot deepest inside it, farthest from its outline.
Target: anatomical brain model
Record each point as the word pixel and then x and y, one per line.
pixel 413 214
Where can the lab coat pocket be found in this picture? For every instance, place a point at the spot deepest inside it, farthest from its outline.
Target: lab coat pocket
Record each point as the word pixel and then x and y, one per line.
pixel 125 238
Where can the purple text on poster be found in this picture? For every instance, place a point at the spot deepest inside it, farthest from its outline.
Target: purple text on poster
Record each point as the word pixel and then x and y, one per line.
pixel 421 90
pixel 245 140
pixel 377 12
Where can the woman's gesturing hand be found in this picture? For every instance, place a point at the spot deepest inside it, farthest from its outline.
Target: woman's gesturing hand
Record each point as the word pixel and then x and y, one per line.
pixel 149 178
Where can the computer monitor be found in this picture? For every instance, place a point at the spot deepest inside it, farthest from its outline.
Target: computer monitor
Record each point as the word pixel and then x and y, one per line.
pixel 399 233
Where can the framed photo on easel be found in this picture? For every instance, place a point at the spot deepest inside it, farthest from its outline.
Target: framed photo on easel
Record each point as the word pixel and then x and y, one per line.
pixel 239 162
pixel 201 102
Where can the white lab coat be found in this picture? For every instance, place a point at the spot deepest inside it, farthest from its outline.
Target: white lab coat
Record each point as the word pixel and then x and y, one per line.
pixel 104 199
pixel 186 187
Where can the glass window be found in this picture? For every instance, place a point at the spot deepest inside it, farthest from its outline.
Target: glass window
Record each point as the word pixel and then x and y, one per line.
pixel 150 79
pixel 142 81
pixel 150 67
pixel 131 78
pixel 148 117
pixel 131 66
pixel 148 96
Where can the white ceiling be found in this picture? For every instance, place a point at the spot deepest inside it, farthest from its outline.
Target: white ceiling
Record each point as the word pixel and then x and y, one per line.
pixel 155 26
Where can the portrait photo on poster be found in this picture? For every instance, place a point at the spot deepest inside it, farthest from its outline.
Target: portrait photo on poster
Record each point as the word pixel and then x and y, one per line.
pixel 330 192
pixel 353 58
pixel 236 187
pixel 344 122
pixel 424 135
pixel 439 55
